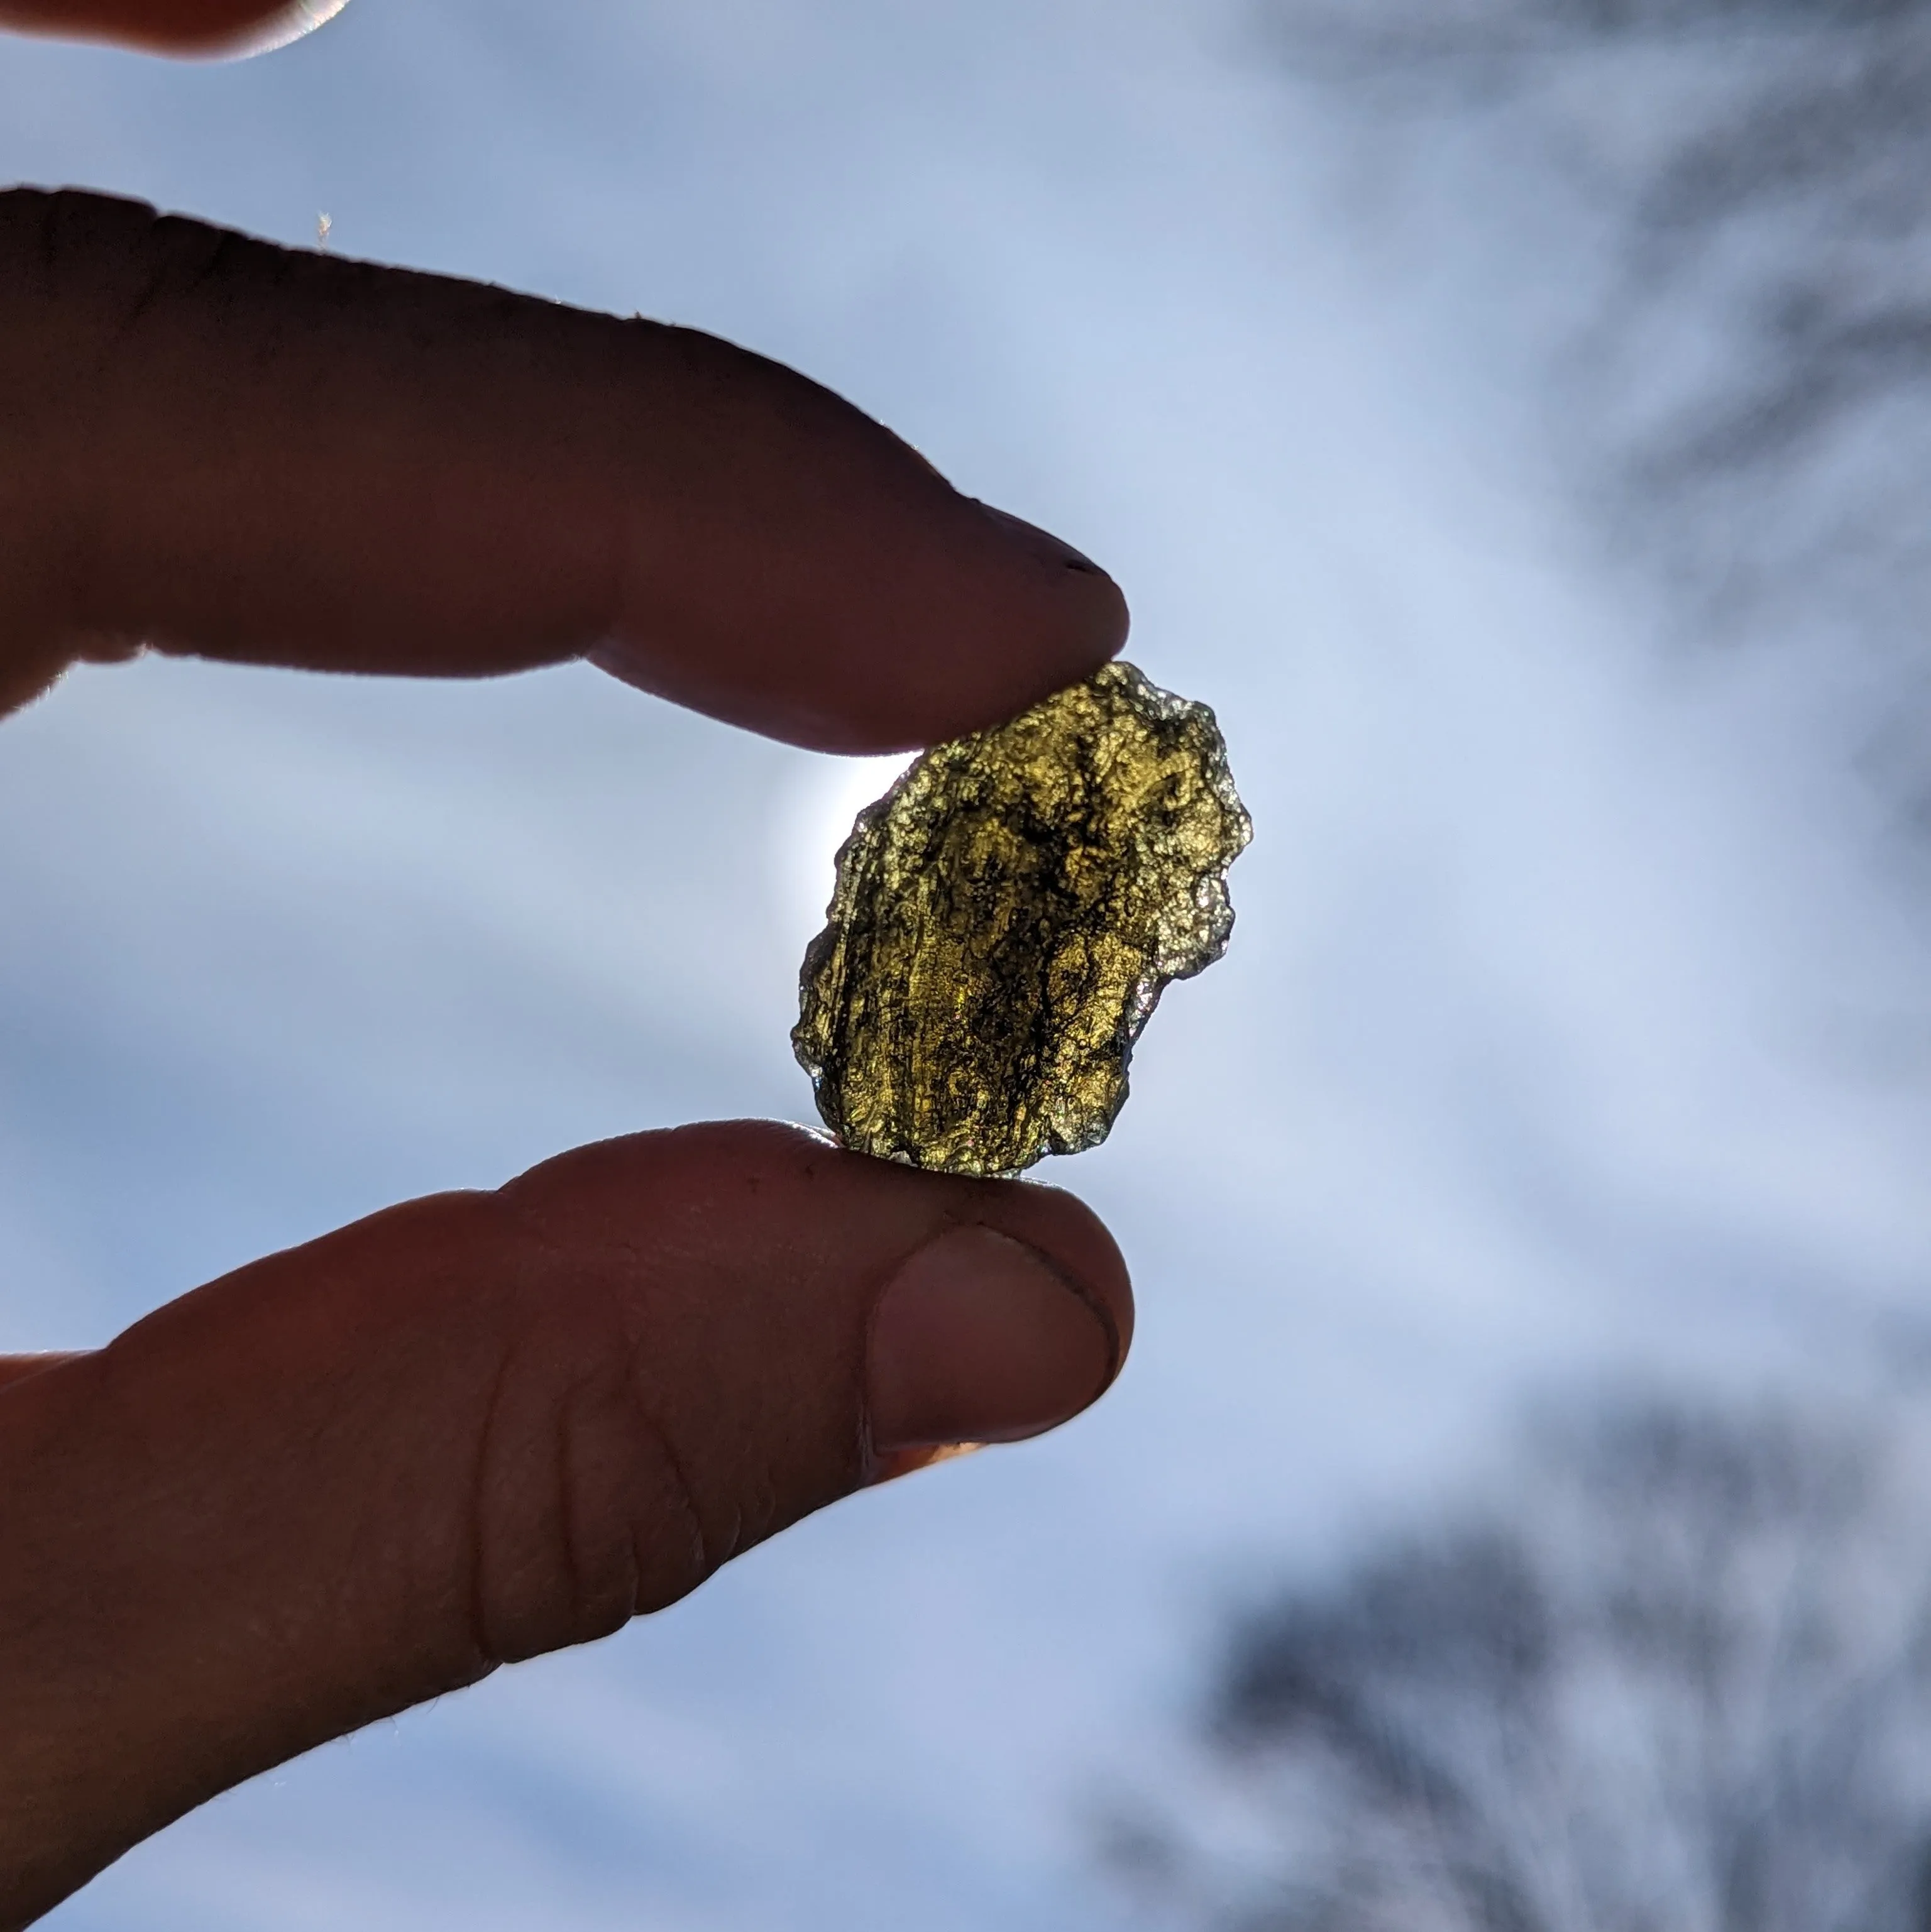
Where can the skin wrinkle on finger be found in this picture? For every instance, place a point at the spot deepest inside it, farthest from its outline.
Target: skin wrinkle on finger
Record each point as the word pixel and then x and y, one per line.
pixel 555 1541
pixel 565 1495
pixel 263 454
pixel 17 1368
pixel 481 1640
pixel 630 1344
pixel 588 1602
pixel 531 1520
pixel 702 1557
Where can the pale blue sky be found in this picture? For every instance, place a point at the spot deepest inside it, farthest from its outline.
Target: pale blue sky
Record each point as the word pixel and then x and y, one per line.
pixel 1556 1037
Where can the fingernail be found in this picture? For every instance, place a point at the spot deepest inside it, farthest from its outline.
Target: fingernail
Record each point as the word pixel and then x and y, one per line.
pixel 1042 543
pixel 979 1338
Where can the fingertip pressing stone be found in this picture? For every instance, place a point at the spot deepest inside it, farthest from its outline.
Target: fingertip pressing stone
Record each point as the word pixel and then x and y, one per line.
pixel 1004 919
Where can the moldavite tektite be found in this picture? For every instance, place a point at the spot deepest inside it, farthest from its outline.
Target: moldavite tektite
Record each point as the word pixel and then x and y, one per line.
pixel 1004 920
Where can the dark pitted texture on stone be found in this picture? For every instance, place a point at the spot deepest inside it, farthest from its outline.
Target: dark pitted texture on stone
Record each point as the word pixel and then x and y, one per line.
pixel 1004 920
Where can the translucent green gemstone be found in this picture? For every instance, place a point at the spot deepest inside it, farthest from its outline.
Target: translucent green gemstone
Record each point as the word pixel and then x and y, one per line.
pixel 1005 918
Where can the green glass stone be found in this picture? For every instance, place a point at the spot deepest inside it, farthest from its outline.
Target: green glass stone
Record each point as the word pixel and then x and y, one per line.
pixel 1005 918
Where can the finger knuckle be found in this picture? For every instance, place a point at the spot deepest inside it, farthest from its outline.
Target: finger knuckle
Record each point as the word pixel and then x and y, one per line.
pixel 583 1516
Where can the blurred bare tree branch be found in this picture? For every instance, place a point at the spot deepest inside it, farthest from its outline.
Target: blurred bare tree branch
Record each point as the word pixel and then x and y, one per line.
pixel 1684 1685
pixel 1756 176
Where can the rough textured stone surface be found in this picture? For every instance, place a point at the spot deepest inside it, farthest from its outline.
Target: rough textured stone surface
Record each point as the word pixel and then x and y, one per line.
pixel 1004 920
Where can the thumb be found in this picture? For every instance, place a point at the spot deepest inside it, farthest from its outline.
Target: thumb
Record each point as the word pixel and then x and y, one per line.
pixel 476 1427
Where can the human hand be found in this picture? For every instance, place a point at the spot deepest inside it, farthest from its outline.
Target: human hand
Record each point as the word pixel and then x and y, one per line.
pixel 472 1428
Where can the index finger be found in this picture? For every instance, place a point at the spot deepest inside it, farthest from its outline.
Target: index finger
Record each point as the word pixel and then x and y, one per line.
pixel 221 447
pixel 183 27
